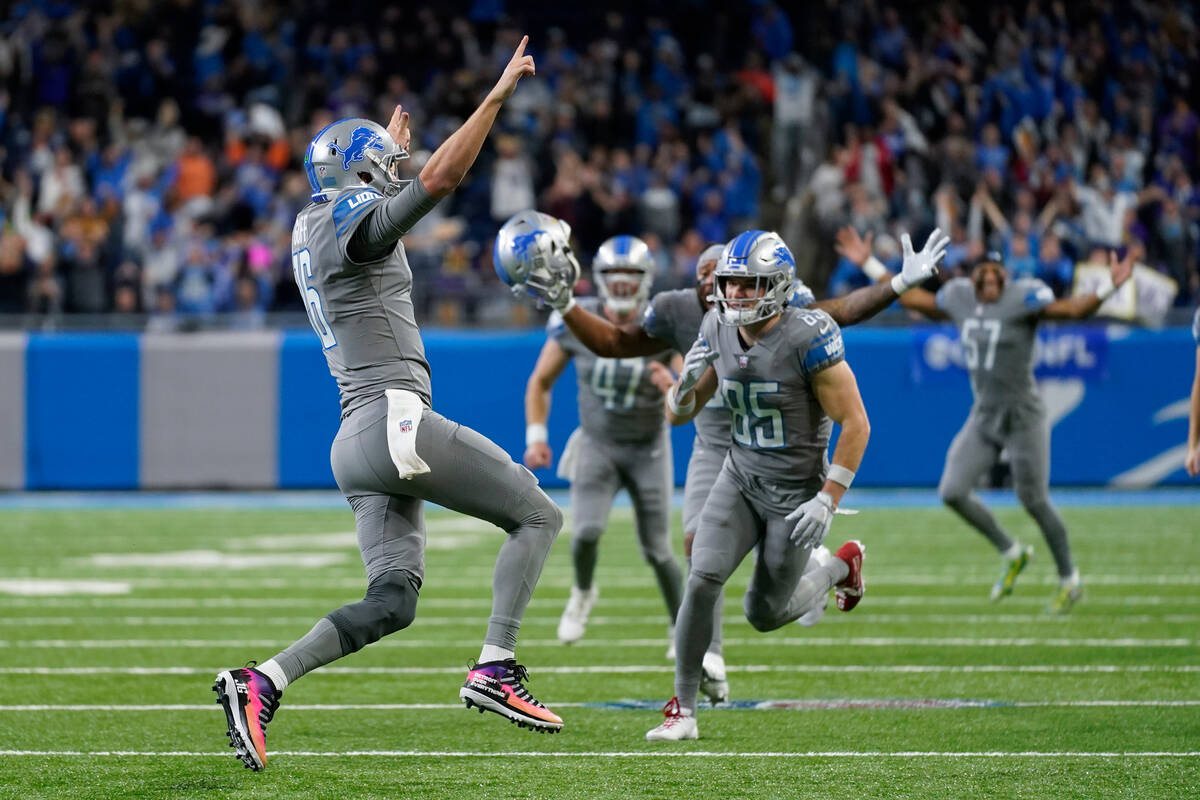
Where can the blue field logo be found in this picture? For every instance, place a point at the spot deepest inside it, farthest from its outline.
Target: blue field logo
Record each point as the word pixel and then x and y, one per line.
pixel 362 139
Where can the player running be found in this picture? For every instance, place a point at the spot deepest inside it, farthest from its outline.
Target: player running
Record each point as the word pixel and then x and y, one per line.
pixel 622 440
pixel 672 320
pixel 393 451
pixel 783 376
pixel 997 320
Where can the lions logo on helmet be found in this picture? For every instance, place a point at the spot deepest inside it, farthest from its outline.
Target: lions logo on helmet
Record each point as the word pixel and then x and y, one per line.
pixel 761 255
pixel 532 254
pixel 624 271
pixel 353 152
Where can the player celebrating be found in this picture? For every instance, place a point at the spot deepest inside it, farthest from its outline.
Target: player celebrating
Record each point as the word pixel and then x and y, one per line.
pixel 672 320
pixel 393 451
pixel 997 320
pixel 784 379
pixel 622 440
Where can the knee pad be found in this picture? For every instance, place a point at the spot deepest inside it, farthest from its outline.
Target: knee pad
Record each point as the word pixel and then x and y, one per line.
pixel 657 553
pixel 545 512
pixel 389 605
pixel 699 585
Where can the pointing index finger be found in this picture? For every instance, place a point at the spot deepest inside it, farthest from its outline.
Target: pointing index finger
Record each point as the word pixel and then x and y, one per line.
pixel 521 47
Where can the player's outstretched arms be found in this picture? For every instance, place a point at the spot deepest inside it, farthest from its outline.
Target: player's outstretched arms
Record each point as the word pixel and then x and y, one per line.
pixel 550 364
pixel 696 385
pixel 450 162
pixel 608 340
pixel 1085 305
pixel 868 301
pixel 919 266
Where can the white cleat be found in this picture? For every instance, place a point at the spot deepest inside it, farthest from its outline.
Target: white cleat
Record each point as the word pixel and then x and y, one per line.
pixel 676 726
pixel 575 616
pixel 670 643
pixel 713 683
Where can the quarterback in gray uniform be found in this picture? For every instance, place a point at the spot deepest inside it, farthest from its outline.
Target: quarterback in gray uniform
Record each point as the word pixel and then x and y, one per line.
pixel 784 379
pixel 622 440
pixel 997 320
pixel 1192 461
pixel 672 320
pixel 393 451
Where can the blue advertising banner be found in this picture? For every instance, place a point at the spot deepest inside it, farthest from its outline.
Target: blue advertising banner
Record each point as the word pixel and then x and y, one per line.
pixel 1065 351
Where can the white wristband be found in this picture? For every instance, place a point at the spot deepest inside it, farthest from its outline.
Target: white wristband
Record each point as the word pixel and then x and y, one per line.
pixel 678 408
pixel 898 285
pixel 535 433
pixel 1106 290
pixel 570 304
pixel 874 269
pixel 841 475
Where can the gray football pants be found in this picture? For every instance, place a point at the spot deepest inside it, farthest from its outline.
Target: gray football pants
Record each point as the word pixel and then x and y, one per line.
pixel 975 450
pixel 602 468
pixel 468 474
pixel 703 468
pixel 781 588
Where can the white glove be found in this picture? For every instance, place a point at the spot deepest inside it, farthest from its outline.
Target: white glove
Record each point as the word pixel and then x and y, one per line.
pixel 812 518
pixel 694 364
pixel 920 267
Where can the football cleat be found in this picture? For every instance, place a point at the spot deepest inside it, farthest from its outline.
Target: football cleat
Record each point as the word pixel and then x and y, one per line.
pixel 575 616
pixel 250 701
pixel 852 588
pixel 1003 587
pixel 713 683
pixel 1070 590
pixel 676 726
pixel 499 686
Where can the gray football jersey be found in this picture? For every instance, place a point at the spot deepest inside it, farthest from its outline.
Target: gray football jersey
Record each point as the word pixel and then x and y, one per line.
pixel 998 339
pixel 780 432
pixel 675 317
pixel 617 400
pixel 363 313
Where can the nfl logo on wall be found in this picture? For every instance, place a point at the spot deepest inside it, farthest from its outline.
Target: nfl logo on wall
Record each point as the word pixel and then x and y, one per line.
pixel 743 361
pixel 406 426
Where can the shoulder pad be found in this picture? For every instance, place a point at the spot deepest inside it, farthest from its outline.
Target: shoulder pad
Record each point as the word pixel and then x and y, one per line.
pixel 350 206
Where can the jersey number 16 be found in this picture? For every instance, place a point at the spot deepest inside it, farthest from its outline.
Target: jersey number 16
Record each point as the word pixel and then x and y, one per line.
pixel 302 271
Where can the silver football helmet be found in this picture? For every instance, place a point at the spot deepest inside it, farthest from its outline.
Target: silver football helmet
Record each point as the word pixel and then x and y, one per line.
pixel 533 255
pixel 624 270
pixel 353 152
pixel 761 255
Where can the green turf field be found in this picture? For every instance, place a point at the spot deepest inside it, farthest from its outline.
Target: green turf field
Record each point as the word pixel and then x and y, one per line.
pixel 926 690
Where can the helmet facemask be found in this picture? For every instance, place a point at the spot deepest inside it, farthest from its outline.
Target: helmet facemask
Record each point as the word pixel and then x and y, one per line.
pixel 623 287
pixel 386 169
pixel 769 295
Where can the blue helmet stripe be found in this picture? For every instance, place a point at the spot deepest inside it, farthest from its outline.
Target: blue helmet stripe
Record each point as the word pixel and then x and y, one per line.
pixel 621 245
pixel 496 265
pixel 743 244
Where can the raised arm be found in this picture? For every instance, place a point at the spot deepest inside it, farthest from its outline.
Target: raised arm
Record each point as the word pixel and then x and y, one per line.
pixel 609 340
pixel 450 162
pixel 918 267
pixel 1087 304
pixel 550 364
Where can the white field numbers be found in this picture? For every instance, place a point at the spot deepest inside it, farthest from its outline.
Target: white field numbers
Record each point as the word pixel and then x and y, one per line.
pixel 991 334
pixel 753 424
pixel 617 386
pixel 302 271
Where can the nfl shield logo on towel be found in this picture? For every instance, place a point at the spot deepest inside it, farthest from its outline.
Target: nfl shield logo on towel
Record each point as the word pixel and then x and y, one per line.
pixel 406 426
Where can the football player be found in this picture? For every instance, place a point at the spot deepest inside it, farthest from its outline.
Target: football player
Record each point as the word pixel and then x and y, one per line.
pixel 622 440
pixel 782 374
pixel 393 450
pixel 997 319
pixel 672 320
pixel 1192 461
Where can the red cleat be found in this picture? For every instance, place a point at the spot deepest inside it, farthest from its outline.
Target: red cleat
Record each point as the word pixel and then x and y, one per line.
pixel 851 590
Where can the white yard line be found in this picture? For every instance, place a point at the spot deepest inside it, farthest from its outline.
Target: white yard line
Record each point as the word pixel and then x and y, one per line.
pixel 907 754
pixel 626 669
pixel 773 641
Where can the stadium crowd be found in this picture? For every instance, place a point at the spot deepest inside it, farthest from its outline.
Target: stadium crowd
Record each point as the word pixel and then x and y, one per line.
pixel 151 152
